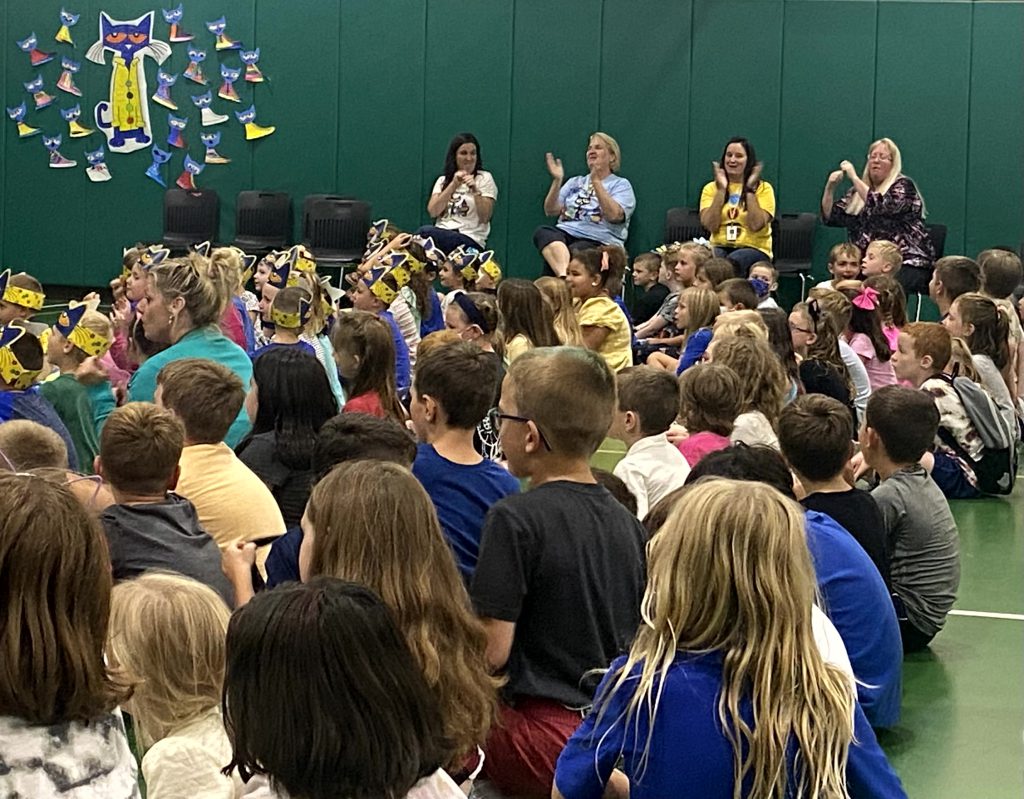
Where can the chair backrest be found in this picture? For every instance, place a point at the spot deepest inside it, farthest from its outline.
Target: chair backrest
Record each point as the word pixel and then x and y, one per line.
pixel 338 225
pixel 937 233
pixel 263 216
pixel 793 238
pixel 683 224
pixel 191 216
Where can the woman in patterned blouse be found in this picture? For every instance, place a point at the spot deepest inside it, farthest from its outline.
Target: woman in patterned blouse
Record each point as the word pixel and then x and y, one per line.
pixel 883 204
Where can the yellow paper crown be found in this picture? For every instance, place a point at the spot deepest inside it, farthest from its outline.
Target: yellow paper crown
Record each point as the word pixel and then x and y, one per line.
pixel 13 371
pixel 69 324
pixel 291 320
pixel 15 295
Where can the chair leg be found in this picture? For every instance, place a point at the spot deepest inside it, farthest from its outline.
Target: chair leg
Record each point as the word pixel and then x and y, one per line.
pixel 917 311
pixel 803 287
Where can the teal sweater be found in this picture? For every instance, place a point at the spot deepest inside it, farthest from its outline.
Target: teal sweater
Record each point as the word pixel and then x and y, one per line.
pixel 204 342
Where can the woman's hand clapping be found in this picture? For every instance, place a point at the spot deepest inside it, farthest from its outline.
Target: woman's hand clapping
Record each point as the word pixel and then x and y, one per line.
pixel 721 181
pixel 555 167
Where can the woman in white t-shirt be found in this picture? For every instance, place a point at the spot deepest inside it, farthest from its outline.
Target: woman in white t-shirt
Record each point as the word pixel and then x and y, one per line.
pixel 462 200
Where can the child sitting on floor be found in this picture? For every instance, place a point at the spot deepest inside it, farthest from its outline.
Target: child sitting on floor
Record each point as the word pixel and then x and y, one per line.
pixel 648 401
pixel 176 695
pixel 452 393
pixel 765 279
pixel 150 527
pixel 289 311
pixel 21 296
pixel 21 361
pixel 881 258
pixel 921 533
pixel 364 351
pixel 650 292
pixel 843 264
pixel 924 350
pixel 709 402
pixel 80 333
pixel 696 312
pixel 736 294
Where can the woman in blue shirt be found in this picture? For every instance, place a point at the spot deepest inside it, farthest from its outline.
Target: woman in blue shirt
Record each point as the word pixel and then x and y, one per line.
pixel 182 306
pixel 728 638
pixel 592 209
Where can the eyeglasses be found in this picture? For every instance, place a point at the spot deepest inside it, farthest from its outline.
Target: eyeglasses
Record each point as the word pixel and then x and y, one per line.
pixel 799 329
pixel 495 417
pixel 880 157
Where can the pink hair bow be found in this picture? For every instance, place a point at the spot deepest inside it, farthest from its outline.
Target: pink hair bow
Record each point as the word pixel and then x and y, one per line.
pixel 867 300
pixel 604 261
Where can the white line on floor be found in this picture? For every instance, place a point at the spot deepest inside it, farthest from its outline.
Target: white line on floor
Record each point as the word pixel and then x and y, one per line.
pixel 986 615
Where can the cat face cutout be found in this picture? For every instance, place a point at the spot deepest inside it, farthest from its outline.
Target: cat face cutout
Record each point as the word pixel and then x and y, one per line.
pixel 34 85
pixel 202 100
pixel 28 44
pixel 70 66
pixel 210 140
pixel 196 56
pixel 96 157
pixel 217 26
pixel 17 113
pixel 52 143
pixel 71 114
pixel 166 78
pixel 229 74
pixel 178 123
pixel 173 15
pixel 126 38
pixel 69 19
pixel 160 156
pixel 250 56
pixel 193 167
pixel 246 116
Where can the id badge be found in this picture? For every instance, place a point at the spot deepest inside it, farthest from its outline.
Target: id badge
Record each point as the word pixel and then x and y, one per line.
pixel 732 232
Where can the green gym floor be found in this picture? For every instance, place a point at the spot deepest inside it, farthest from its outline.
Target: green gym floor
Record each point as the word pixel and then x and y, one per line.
pixel 963 700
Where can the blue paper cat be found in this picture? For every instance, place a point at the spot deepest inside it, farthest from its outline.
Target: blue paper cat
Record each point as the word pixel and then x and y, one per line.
pixel 173 17
pixel 160 157
pixel 97 170
pixel 124 117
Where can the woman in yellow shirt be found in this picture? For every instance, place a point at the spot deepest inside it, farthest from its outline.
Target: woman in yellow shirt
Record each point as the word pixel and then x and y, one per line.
pixel 604 326
pixel 737 207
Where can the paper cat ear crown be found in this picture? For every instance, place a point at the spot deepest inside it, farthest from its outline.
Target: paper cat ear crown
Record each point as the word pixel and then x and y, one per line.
pixel 292 320
pixel 203 249
pixel 69 324
pixel 248 267
pixel 487 264
pixel 386 290
pixel 465 261
pixel 304 260
pixel 410 261
pixel 26 298
pixel 283 273
pixel 12 371
pixel 153 255
pixel 376 231
pixel 433 252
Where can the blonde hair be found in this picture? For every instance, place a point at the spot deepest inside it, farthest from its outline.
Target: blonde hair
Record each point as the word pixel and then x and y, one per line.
pixel 888 252
pixel 747 594
pixel 763 381
pixel 205 285
pixel 701 253
pixel 749 324
pixel 167 636
pixel 856 204
pixel 702 307
pixel 556 292
pixel 614 153
pixel 230 260
pixel 376 525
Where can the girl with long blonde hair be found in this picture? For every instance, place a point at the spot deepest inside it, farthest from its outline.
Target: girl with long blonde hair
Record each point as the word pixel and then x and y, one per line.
pixel 167 639
pixel 373 523
pixel 763 384
pixel 557 293
pixel 724 692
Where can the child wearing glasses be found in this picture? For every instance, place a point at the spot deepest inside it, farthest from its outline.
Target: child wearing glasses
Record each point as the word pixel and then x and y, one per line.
pixel 561 568
pixel 451 393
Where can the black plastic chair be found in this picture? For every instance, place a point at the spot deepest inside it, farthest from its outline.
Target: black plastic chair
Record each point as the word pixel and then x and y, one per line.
pixel 190 217
pixel 937 233
pixel 793 244
pixel 683 224
pixel 336 229
pixel 262 221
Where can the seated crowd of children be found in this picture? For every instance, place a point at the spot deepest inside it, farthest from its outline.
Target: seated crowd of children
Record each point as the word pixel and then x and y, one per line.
pixel 310 551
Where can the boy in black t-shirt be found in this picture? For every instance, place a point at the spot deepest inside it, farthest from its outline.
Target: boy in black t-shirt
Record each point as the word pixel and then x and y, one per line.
pixel 816 438
pixel 561 569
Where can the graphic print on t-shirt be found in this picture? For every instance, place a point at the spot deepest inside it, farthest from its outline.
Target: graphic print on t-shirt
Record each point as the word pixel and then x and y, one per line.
pixel 584 206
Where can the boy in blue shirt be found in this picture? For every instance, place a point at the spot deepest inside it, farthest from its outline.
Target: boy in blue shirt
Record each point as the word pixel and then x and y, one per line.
pixel 452 392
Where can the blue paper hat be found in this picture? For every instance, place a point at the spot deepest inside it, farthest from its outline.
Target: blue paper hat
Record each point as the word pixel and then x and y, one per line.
pixel 282 272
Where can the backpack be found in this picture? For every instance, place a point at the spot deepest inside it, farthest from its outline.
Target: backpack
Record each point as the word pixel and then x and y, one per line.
pixel 996 467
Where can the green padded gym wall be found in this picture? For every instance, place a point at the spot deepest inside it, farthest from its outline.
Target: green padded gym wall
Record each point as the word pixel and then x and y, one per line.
pixel 365 96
